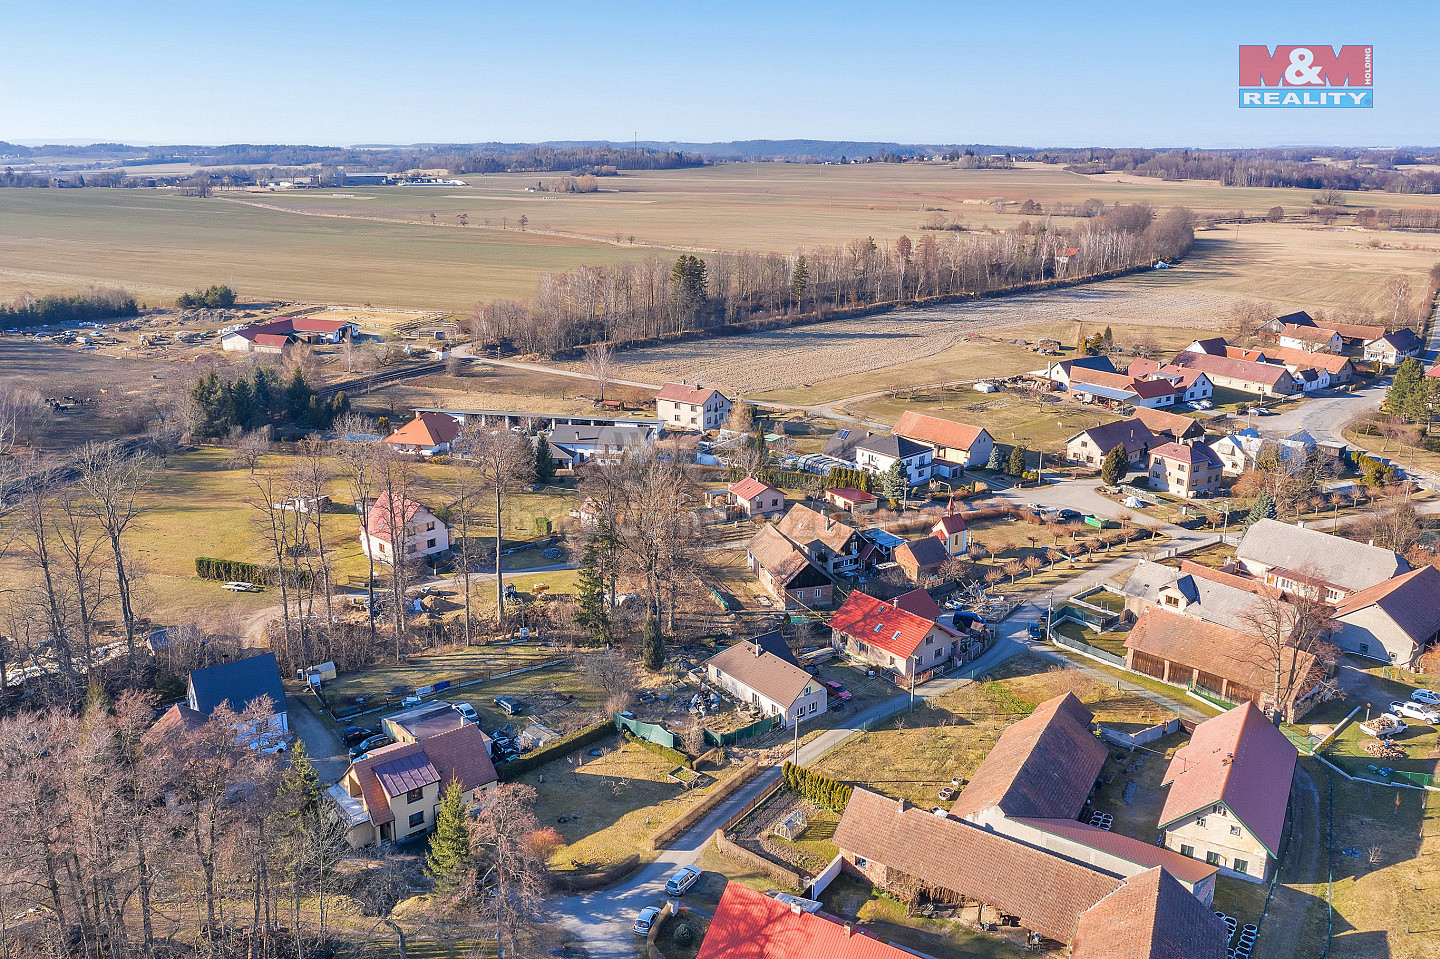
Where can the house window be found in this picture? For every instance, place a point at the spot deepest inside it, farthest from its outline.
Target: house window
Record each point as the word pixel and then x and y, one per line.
pixel 929 640
pixel 413 796
pixel 1187 851
pixel 861 863
pixel 939 654
pixel 1235 830
pixel 1242 866
pixel 1200 822
pixel 1213 858
pixel 429 527
pixel 1218 809
pixel 819 591
pixel 812 707
pixel 417 819
pixel 1172 601
pixel 430 544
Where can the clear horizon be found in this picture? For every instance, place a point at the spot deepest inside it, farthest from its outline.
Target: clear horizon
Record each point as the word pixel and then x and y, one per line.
pixel 163 72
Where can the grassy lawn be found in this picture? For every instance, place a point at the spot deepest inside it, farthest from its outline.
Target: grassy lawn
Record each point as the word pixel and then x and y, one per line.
pixel 1111 642
pixel 886 918
pixel 1419 742
pixel 610 806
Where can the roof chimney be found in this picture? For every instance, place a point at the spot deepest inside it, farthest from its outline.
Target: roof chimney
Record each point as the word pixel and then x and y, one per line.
pixel 756 647
pixel 795 908
pixel 847 930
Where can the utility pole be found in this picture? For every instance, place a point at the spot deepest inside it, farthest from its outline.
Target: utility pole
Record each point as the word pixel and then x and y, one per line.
pixel 796 760
pixel 913 670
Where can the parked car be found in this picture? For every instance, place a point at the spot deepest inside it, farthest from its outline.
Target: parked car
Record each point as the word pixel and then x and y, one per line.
pixel 1068 515
pixel 410 701
pixel 353 734
pixel 512 707
pixel 645 920
pixel 836 690
pixel 1427 696
pixel 466 711
pixel 682 879
pixel 1413 710
pixel 374 742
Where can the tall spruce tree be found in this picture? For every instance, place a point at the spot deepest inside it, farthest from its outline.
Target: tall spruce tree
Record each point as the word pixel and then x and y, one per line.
pixel 652 645
pixel 449 854
pixel 592 612
pixel 544 461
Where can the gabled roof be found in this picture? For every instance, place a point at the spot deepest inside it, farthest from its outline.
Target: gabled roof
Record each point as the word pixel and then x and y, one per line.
pixel 851 495
pixel 426 430
pixel 377 520
pixel 1150 389
pixel 936 431
pixel 462 754
pixel 400 775
pixel 769 675
pixel 1298 318
pixel 950 524
pixel 685 393
pixel 1068 367
pixel 1150 917
pixel 750 925
pixel 1332 363
pixel 810 529
pixel 1310 334
pixel 1267 374
pixel 1143 854
pixel 1042 767
pixel 1214 345
pixel 895 447
pixel 610 437
pixel 750 487
pixel 1411 600
pixel 1214 596
pixel 1344 562
pixel 1212 648
pixel 919 602
pixel 879 624
pixel 1356 331
pixel 1047 892
pixel 1171 424
pixel 178 718
pixel 1239 759
pixel 238 682
pixel 1102 383
pixel 927 551
pixel 1195 455
pixel 1134 434
pixel 780 557
pixel 1402 340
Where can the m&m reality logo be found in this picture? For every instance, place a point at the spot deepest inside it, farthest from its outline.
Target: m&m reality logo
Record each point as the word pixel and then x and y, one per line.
pixel 1307 76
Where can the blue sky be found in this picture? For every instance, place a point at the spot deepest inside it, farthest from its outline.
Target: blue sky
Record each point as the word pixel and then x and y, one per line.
pixel 1038 73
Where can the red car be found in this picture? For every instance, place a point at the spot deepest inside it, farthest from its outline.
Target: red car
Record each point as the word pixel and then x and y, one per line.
pixel 836 689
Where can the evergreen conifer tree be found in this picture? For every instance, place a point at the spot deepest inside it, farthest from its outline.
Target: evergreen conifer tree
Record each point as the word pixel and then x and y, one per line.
pixel 449 853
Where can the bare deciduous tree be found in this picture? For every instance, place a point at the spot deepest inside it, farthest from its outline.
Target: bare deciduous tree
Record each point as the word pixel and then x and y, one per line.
pixel 599 360
pixel 504 460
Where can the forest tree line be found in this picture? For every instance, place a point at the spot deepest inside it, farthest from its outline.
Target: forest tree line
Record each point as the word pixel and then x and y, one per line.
pixel 94 304
pixel 629 302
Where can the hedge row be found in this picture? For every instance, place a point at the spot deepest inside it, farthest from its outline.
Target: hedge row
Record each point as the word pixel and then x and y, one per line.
pixel 670 755
pixel 234 570
pixel 815 787
pixel 522 765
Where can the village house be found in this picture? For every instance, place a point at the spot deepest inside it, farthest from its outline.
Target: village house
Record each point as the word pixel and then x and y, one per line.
pixel 1245 376
pixel 1174 426
pixel 1060 373
pixel 1299 560
pixel 913 647
pixel 752 674
pixel 1353 334
pixel 1229 789
pixel 1247 450
pixel 921 559
pixel 1185 470
pixel 428 434
pixel 785 572
pixel 1393 348
pixel 1393 621
pixel 274 336
pixel 1224 662
pixel 1212 595
pixel 237 684
pixel 855 500
pixel 832 544
pixel 394 792
pixel 956 446
pixel 422 534
pixel 1313 339
pixel 1088 447
pixel 751 925
pixel 681 406
pixel 574 446
pixel 756 498
pixel 875 454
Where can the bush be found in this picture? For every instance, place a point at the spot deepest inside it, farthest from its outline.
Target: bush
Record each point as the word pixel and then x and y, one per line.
pixel 218 296
pixel 522 765
pixel 682 934
pixel 235 570
pixel 816 787
pixel 670 755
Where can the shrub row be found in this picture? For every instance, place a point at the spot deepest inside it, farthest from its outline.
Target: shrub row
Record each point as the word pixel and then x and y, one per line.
pixel 816 787
pixel 516 768
pixel 670 755
pixel 234 570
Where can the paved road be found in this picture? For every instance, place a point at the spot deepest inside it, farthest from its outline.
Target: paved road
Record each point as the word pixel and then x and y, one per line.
pixel 327 752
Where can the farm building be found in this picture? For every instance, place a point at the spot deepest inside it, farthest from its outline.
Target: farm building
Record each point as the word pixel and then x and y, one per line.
pixel 274 336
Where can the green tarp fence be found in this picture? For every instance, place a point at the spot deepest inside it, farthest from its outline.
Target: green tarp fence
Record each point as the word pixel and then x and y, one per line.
pixel 754 729
pixel 655 733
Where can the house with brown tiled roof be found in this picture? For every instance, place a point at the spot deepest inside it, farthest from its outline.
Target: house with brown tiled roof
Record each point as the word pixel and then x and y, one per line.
pixel 1183 469
pixel 752 674
pixel 921 559
pixel 1152 916
pixel 910 851
pixel 1337 367
pixel 395 791
pixel 428 434
pixel 786 573
pixel 1088 447
pixel 1229 789
pixel 908 644
pixel 1175 426
pixel 829 542
pixel 680 406
pixel 1313 338
pixel 1192 385
pixel 1394 621
pixel 756 498
pixel 1224 662
pixel 1264 379
pixel 957 446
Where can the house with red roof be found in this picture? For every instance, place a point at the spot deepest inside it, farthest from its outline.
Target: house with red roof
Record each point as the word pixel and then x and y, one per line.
pixel 1229 789
pixel 910 645
pixel 957 446
pixel 756 498
pixel 751 925
pixel 428 434
pixel 394 792
pixel 1185 469
pixel 953 534
pixel 1315 339
pixel 401 527
pixel 855 500
pixel 682 407
pixel 1393 621
pixel 274 336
